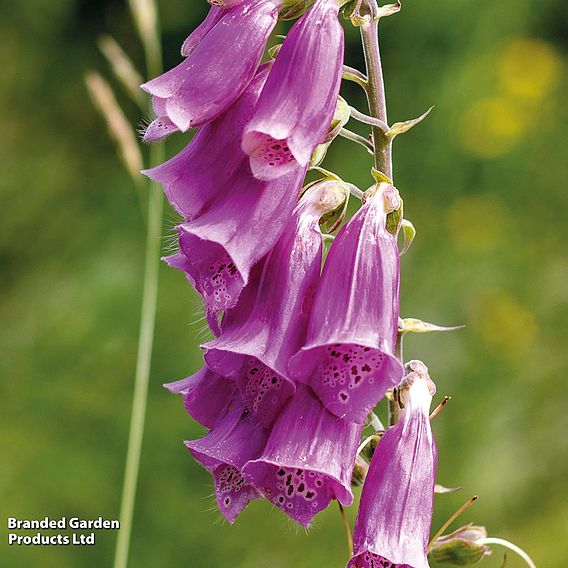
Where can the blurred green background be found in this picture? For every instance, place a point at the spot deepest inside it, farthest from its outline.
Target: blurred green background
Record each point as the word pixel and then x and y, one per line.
pixel 484 181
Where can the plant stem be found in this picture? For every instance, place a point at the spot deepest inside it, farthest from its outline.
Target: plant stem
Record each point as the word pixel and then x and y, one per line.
pixel 510 546
pixel 348 534
pixel 153 53
pixel 463 508
pixel 376 94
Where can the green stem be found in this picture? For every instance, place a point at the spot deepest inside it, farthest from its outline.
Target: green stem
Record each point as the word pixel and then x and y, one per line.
pixel 510 546
pixel 153 54
pixel 376 94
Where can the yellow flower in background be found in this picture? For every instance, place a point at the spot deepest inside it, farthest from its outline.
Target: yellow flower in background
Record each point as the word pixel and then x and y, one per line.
pixel 528 68
pixel 527 71
pixel 491 126
pixel 507 328
pixel 476 222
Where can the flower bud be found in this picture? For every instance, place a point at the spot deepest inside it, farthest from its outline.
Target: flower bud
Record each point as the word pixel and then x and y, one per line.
pixel 359 472
pixel 369 449
pixel 463 547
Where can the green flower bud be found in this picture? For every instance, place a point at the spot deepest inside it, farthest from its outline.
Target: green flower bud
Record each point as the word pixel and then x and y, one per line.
pixel 359 472
pixel 463 547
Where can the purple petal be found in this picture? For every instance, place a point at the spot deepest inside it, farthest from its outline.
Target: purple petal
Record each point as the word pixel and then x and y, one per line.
pixel 225 241
pixel 195 38
pixel 269 323
pixel 205 395
pixel 395 512
pixel 198 174
pixel 348 359
pixel 219 68
pixel 308 459
pixel 297 104
pixel 235 439
pixel 159 129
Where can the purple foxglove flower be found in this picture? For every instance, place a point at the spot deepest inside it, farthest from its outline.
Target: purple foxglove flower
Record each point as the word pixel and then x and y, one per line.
pixel 235 439
pixel 308 460
pixel 297 104
pixel 268 324
pixel 196 37
pixel 348 359
pixel 230 235
pixel 205 395
pixel 199 173
pixel 395 514
pixel 218 70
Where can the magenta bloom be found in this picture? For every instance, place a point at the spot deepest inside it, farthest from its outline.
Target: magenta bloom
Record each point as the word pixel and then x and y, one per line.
pixel 308 460
pixel 231 234
pixel 348 359
pixel 205 395
pixel 218 69
pixel 269 323
pixel 197 35
pixel 297 105
pixel 235 439
pixel 395 513
pixel 198 174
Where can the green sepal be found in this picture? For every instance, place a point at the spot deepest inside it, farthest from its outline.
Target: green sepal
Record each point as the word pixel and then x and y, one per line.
pixel 408 232
pixel 389 10
pixel 380 177
pixel 318 155
pixel 462 547
pixel 329 222
pixel 359 472
pixel 394 220
pixel 341 117
pixel 274 51
pixel 441 490
pixel 402 127
pixel 413 325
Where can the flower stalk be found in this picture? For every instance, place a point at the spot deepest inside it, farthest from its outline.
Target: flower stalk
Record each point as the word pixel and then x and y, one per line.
pixel 146 16
pixel 376 92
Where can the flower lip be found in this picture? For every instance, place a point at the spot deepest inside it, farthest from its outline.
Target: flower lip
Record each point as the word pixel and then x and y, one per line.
pixel 308 459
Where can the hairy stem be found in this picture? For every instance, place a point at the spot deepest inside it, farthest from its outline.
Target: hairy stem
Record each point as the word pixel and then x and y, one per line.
pixel 376 94
pixel 153 53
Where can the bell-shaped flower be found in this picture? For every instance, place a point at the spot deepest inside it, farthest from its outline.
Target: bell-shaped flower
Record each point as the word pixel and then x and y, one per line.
pixel 297 104
pixel 205 395
pixel 348 359
pixel 218 69
pixel 231 234
pixel 269 323
pixel 235 439
pixel 395 513
pixel 200 172
pixel 308 459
